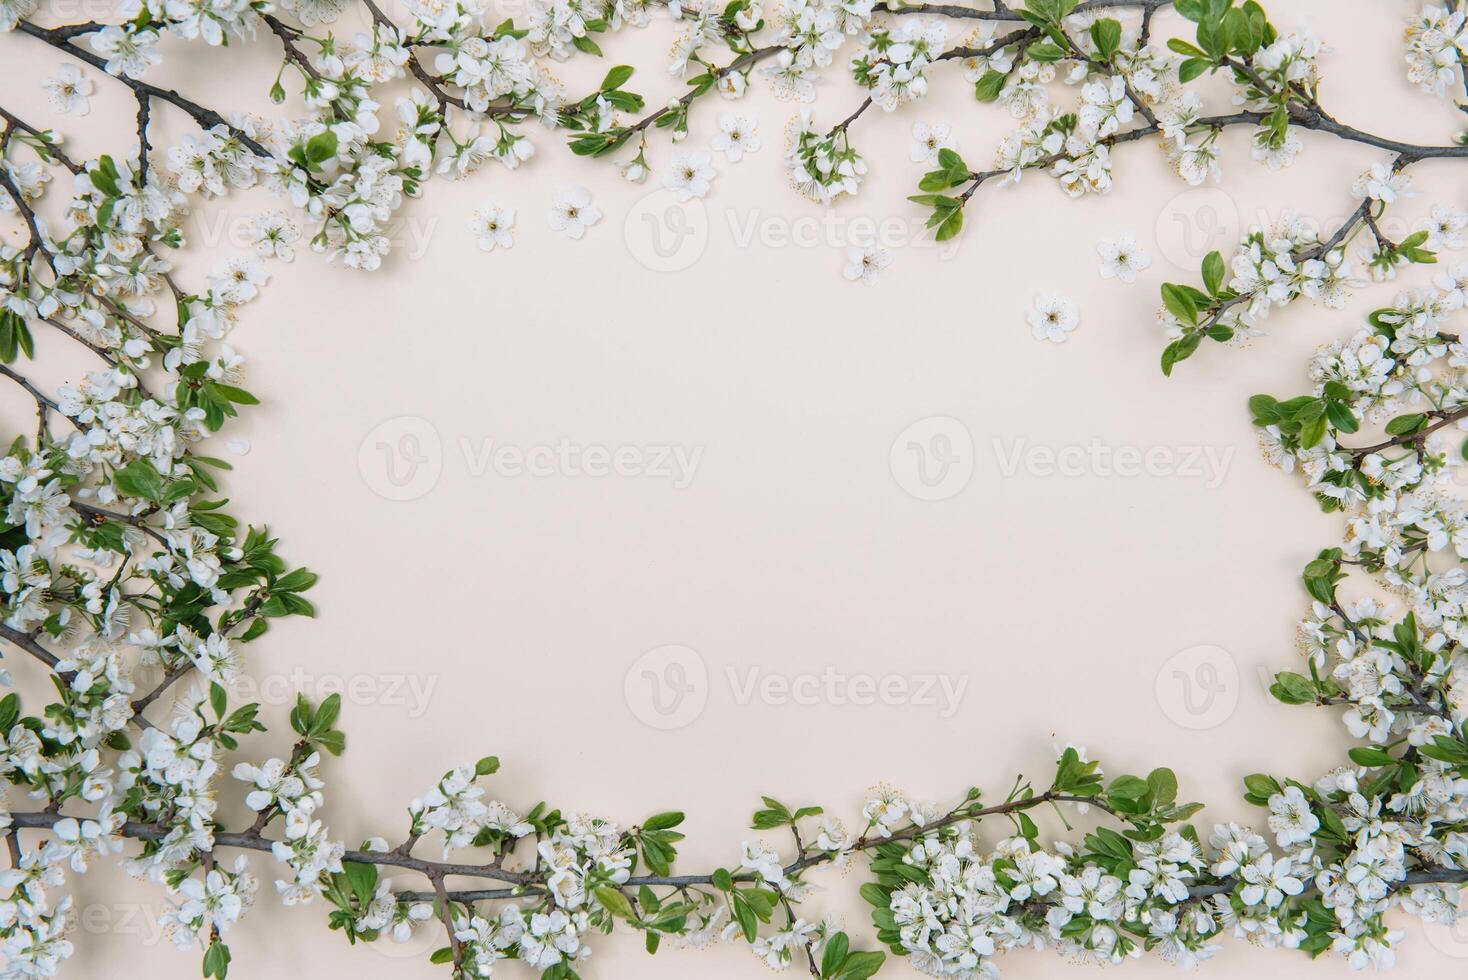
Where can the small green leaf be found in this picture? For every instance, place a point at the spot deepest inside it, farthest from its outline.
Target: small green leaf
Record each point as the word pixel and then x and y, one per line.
pixel 615 902
pixel 616 78
pixel 987 89
pixel 1107 35
pixel 1213 272
pixel 1179 303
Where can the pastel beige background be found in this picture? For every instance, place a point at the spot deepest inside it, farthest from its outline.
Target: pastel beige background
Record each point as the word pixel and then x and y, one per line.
pixel 504 614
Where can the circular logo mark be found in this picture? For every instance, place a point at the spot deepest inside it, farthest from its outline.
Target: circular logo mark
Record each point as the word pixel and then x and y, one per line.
pixel 1450 940
pixel 1199 687
pixel 933 459
pixel 1195 222
pixel 664 233
pixel 402 458
pixel 667 688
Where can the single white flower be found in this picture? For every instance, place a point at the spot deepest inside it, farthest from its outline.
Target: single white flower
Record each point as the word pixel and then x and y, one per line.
pixel 1383 182
pixel 863 262
pixel 732 85
pixel 1445 228
pixel 1123 259
pixel 928 140
pixel 573 212
pixel 128 52
pixel 1053 318
pixel 691 174
pixel 69 90
pixel 736 137
pixel 273 234
pixel 494 226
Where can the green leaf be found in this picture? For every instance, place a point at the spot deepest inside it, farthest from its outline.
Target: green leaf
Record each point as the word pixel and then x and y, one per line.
pixel 1163 784
pixel 1342 417
pixel 362 878
pixel 950 160
pixel 297 581
pixel 321 147
pixel 1179 350
pixel 1107 35
pixel 745 916
pixel 327 713
pixel 616 78
pixel 836 949
pixel 234 394
pixel 1046 50
pixel 1179 303
pixel 987 89
pixel 1371 757
pixel 333 741
pixel 615 902
pixel 1213 272
pixel 950 226
pixel 1404 424
pixel 1290 688
pixel 1312 432
pixel 1260 784
pixel 216 960
pixel 139 479
pixel 1127 788
pixel 859 966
